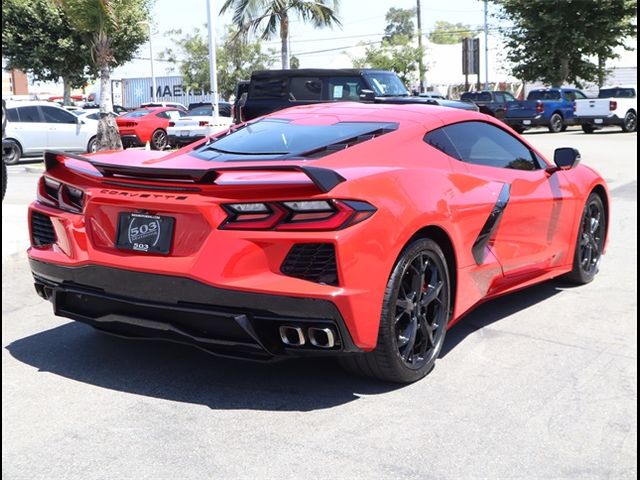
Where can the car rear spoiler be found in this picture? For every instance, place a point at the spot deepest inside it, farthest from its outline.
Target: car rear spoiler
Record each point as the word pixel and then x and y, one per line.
pixel 323 178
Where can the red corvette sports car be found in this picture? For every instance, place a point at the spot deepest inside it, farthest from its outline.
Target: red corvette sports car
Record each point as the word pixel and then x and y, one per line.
pixel 357 230
pixel 147 125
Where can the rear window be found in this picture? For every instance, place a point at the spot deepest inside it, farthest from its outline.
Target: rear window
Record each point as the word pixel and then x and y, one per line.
pixel 617 93
pixel 476 97
pixel 136 114
pixel 269 88
pixel 273 138
pixel 544 95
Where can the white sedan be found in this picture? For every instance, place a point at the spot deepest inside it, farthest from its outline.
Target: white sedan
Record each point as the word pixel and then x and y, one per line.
pixel 197 124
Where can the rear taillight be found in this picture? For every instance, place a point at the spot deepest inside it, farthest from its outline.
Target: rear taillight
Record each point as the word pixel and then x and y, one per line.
pixel 613 105
pixel 128 124
pixel 309 215
pixel 60 195
pixel 539 107
pixel 172 124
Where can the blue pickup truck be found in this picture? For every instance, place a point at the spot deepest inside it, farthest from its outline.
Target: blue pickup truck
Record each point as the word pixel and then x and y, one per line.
pixel 545 107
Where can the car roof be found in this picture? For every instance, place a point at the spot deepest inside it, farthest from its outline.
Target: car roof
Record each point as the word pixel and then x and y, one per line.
pixel 406 115
pixel 28 103
pixel 315 72
pixel 618 86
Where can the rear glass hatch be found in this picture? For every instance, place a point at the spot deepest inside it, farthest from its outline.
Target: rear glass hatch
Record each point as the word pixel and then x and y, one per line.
pixel 282 139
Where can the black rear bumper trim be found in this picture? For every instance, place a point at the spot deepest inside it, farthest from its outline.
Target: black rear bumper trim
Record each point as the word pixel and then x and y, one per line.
pixel 221 321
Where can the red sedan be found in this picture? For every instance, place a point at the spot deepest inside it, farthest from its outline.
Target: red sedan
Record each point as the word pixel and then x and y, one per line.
pixel 363 231
pixel 147 125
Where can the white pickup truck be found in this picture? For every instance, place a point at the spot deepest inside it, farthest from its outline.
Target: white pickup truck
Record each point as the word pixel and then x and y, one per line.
pixel 617 105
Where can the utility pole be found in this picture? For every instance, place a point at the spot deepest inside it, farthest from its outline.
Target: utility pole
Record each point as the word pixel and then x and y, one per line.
pixel 420 61
pixel 213 74
pixel 153 77
pixel 486 48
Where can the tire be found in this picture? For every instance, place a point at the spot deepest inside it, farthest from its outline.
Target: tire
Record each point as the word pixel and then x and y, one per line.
pixel 4 179
pixel 630 123
pixel 556 123
pixel 411 332
pixel 92 147
pixel 12 153
pixel 159 140
pixel 589 243
pixel 588 128
pixel 564 128
pixel 519 130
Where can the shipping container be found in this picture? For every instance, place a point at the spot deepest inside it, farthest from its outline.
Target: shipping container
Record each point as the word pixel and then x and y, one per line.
pixel 168 89
pixel 132 92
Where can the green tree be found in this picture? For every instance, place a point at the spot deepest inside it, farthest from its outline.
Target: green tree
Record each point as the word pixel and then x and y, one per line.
pixel 114 30
pixel 236 58
pixel 37 38
pixel 295 62
pixel 399 23
pixel 399 56
pixel 397 51
pixel 449 33
pixel 558 45
pixel 269 16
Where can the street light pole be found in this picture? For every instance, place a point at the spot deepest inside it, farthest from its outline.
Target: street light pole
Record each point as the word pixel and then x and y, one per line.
pixel 420 60
pixel 153 77
pixel 213 76
pixel 486 49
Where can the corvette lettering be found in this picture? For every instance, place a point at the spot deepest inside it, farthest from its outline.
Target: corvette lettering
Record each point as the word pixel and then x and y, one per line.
pixel 144 195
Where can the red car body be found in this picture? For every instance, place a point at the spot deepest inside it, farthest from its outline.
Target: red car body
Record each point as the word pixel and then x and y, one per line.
pixel 386 190
pixel 145 125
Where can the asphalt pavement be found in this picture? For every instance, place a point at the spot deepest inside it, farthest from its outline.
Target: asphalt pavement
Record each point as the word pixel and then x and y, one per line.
pixel 540 384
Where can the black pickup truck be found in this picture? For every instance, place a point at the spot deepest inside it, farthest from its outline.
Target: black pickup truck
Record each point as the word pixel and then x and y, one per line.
pixel 491 102
pixel 272 90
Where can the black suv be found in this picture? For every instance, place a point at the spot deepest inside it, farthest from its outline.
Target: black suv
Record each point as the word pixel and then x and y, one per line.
pixel 491 102
pixel 272 90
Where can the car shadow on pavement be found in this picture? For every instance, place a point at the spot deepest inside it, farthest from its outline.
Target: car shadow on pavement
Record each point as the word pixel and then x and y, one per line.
pixel 184 374
pixel 499 308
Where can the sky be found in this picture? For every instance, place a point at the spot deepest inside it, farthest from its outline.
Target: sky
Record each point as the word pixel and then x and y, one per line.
pixel 362 21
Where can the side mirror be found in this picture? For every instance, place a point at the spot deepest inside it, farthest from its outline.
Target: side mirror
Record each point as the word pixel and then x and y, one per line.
pixel 367 95
pixel 565 158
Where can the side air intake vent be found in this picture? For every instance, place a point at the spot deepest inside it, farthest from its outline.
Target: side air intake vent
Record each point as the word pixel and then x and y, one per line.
pixel 42 232
pixel 315 262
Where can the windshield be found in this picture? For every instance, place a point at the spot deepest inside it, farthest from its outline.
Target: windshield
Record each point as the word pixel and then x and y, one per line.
pixel 272 138
pixel 544 95
pixel 617 93
pixel 386 85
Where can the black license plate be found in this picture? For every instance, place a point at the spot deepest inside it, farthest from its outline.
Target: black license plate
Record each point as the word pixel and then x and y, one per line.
pixel 145 233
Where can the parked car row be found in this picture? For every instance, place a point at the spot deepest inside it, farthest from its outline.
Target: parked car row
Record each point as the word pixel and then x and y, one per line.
pixel 34 126
pixel 558 108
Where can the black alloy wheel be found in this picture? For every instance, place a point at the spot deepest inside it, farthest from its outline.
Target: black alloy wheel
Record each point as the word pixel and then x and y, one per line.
pixel 159 140
pixel 591 238
pixel 415 314
pixel 420 316
pixel 630 122
pixel 556 123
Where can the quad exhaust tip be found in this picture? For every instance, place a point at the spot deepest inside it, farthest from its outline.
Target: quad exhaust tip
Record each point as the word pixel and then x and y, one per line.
pixel 292 336
pixel 321 337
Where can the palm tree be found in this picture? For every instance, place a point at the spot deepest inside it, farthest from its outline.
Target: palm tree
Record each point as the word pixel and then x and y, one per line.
pixel 271 15
pixel 114 30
